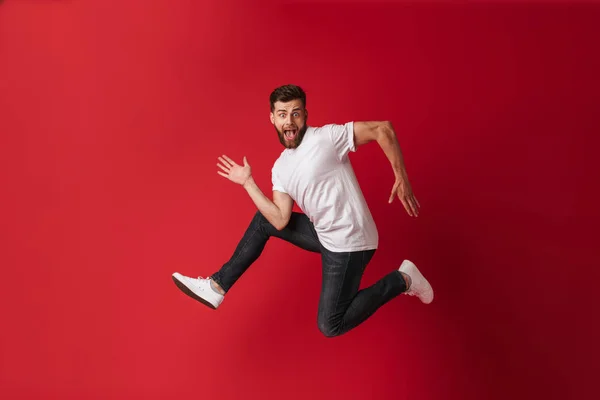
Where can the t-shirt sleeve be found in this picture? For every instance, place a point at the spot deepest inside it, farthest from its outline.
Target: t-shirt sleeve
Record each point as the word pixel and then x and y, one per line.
pixel 276 182
pixel 342 137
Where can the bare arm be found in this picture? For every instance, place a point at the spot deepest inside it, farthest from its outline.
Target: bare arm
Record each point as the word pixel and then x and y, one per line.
pixel 277 212
pixel 383 133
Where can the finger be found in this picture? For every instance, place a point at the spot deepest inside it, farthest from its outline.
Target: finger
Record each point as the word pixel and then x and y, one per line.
pixel 416 204
pixel 393 194
pixel 245 162
pixel 413 207
pixel 410 204
pixel 405 204
pixel 223 168
pixel 222 174
pixel 225 162
pixel 229 159
pixel 417 201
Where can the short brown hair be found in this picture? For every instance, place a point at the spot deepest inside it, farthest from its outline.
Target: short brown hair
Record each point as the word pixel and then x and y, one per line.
pixel 287 93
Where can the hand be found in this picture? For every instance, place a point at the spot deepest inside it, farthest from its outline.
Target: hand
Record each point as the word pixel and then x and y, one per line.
pixel 404 192
pixel 234 172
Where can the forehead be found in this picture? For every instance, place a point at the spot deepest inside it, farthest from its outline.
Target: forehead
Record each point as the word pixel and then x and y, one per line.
pixel 288 106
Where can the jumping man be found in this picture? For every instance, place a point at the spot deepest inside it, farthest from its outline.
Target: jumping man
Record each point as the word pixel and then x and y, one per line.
pixel 315 172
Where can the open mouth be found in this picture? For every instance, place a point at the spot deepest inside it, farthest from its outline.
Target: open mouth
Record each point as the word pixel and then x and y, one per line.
pixel 290 134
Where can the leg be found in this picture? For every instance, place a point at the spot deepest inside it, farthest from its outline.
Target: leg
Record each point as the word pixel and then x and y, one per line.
pixel 342 306
pixel 299 231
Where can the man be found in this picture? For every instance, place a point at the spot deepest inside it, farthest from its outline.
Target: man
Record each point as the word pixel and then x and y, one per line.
pixel 314 171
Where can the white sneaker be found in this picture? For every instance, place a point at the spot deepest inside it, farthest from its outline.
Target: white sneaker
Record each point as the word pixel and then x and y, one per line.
pixel 198 289
pixel 419 286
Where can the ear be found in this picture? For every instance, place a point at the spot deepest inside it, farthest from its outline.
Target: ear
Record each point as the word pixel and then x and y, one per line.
pixel 272 119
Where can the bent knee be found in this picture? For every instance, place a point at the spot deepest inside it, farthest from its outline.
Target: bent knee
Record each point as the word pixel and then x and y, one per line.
pixel 329 329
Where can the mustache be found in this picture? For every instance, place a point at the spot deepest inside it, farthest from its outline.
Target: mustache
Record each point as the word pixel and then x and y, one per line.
pixel 297 140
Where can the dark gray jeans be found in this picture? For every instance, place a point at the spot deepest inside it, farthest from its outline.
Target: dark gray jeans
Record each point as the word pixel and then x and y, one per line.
pixel 342 305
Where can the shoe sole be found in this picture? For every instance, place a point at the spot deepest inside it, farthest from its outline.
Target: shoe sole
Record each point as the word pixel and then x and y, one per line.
pixel 191 294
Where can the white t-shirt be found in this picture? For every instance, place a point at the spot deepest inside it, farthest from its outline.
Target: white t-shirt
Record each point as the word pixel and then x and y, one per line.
pixel 319 177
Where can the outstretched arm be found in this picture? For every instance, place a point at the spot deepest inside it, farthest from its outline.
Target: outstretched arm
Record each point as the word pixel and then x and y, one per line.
pixel 277 212
pixel 383 133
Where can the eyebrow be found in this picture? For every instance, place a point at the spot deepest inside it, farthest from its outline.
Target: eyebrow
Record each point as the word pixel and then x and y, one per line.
pixel 295 109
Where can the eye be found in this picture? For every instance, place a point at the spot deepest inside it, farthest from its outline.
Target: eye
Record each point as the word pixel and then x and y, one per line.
pixel 296 114
pixel 281 115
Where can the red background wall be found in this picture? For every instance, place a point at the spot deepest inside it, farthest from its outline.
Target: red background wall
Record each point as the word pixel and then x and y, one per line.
pixel 112 114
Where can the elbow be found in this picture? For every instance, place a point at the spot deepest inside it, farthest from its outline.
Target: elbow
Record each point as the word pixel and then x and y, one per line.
pixel 386 131
pixel 386 128
pixel 281 224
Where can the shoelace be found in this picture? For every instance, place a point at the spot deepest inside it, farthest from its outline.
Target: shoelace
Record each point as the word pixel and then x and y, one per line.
pixel 202 279
pixel 211 288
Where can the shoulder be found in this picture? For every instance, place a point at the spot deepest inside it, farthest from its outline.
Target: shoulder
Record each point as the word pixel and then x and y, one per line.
pixel 320 128
pixel 335 127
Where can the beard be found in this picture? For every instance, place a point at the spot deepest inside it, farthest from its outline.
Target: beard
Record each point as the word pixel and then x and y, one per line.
pixel 292 144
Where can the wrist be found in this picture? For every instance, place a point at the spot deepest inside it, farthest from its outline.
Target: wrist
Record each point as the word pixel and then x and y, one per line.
pixel 249 182
pixel 399 173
